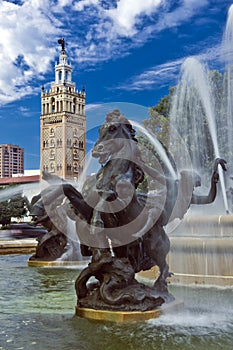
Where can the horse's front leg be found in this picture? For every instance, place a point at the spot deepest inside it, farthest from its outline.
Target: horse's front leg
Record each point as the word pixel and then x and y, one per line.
pixel 78 202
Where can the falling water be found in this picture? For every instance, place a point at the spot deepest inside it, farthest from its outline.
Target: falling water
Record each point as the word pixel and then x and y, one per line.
pixel 159 148
pixel 194 97
pixel 29 190
pixel 227 105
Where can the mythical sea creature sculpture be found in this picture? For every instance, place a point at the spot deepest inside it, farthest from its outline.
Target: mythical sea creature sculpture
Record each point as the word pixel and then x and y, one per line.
pixel 123 229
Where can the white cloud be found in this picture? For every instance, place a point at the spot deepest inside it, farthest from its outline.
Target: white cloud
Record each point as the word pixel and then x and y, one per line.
pixel 80 5
pixel 25 33
pixel 168 73
pixel 165 73
pixel 126 15
pixel 131 23
pixel 93 106
pixel 183 13
pixel 94 33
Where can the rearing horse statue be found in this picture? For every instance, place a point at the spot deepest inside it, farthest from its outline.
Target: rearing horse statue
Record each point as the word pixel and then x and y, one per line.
pixel 122 229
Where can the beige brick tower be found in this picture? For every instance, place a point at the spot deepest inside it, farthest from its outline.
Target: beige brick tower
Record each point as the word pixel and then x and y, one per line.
pixel 63 123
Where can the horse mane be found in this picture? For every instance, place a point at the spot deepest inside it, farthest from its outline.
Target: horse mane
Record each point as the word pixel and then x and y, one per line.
pixel 116 117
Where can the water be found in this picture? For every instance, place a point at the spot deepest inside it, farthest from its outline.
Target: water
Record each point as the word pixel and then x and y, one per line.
pixel 37 312
pixel 192 111
pixel 29 190
pixel 227 105
pixel 199 96
pixel 158 146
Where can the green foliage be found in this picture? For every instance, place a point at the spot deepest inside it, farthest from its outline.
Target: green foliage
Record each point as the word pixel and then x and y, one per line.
pixel 158 123
pixel 164 105
pixel 16 206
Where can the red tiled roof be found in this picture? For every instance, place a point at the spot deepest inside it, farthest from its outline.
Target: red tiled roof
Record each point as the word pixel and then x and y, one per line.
pixel 19 180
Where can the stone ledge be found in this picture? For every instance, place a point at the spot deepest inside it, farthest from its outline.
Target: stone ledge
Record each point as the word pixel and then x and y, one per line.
pixel 18 246
pixel 214 280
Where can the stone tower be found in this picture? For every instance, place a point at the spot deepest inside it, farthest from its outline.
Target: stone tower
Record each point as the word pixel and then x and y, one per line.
pixel 63 123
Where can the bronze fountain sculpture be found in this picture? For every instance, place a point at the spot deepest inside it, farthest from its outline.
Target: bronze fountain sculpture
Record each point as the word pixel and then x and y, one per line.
pixel 121 229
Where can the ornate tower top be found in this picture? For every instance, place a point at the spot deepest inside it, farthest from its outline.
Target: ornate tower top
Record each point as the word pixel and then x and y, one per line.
pixel 63 70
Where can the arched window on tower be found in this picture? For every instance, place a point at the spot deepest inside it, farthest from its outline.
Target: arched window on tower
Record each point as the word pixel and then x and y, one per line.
pixel 75 133
pixel 52 154
pixel 52 168
pixel 52 104
pixel 52 144
pixel 76 156
pixel 75 167
pixel 74 105
pixel 59 142
pixel 76 144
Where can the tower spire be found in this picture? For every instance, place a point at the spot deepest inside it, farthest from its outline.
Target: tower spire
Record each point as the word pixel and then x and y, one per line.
pixel 63 69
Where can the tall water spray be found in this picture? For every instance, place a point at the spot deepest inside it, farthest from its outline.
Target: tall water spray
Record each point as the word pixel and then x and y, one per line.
pixel 193 115
pixel 158 147
pixel 227 104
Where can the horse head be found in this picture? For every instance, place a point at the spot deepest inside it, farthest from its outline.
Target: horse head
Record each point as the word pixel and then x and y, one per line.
pixel 116 138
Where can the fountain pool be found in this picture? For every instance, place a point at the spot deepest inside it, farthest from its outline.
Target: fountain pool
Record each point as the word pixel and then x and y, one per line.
pixel 37 312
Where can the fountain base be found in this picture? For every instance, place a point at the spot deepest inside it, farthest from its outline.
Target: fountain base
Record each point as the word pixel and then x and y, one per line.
pixel 56 263
pixel 201 251
pixel 128 316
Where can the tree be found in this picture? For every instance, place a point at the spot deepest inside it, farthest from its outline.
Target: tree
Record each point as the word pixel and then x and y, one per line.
pixel 158 124
pixel 159 121
pixel 16 206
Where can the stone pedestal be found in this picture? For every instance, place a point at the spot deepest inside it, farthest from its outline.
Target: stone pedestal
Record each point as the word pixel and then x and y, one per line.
pixel 56 263
pixel 128 316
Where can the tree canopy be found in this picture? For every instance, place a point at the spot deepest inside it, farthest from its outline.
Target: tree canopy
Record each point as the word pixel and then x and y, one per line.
pixel 16 206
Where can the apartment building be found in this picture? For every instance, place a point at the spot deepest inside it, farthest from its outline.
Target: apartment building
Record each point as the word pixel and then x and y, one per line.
pixel 11 160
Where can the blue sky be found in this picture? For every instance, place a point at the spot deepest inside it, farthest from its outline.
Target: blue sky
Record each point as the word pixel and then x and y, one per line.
pixel 127 53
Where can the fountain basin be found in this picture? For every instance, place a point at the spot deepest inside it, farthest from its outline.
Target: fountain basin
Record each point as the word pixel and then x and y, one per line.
pixel 18 246
pixel 201 250
pixel 213 225
pixel 37 307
